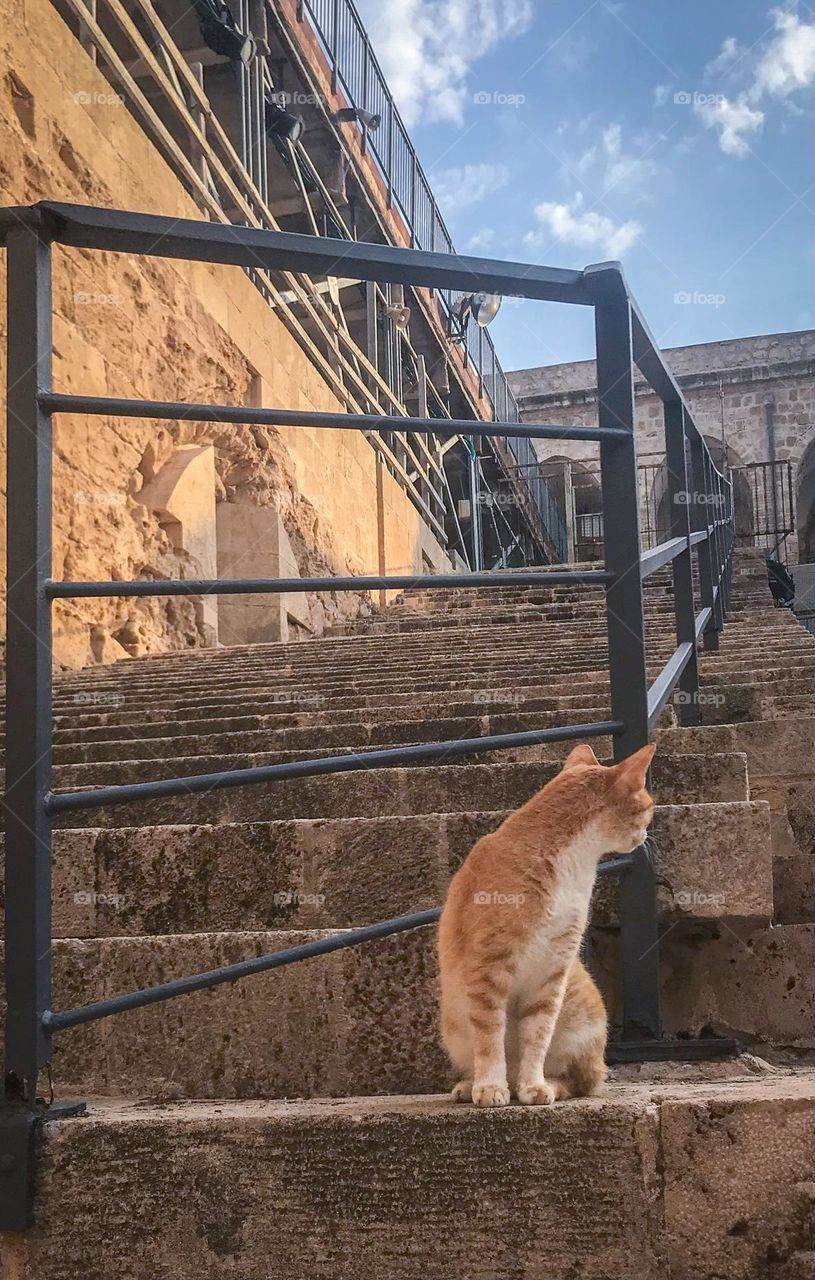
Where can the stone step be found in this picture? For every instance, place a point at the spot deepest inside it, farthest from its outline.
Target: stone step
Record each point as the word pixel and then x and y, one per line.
pixel 740 626
pixel 218 719
pixel 366 1018
pixel 390 671
pixel 714 862
pixel 496 684
pixel 648 1182
pixel 482 650
pixel 350 737
pixel 784 747
pixel 432 788
pixel 361 729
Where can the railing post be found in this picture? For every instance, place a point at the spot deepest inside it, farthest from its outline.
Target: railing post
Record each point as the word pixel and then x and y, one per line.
pixel 28 716
pixel 730 532
pixel 334 49
pixel 676 463
pixel 475 513
pixel 626 633
pixel 714 515
pixel 700 519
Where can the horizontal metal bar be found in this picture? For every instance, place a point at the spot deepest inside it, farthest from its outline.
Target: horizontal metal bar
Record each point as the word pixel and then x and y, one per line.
pixel 612 865
pixel 63 801
pixel 654 368
pixel 58 402
pixel 229 973
pixel 665 683
pixel 702 619
pixel 652 560
pixel 53 1022
pixel 650 360
pixel 702 1050
pixel 162 237
pixel 282 586
pixel 701 535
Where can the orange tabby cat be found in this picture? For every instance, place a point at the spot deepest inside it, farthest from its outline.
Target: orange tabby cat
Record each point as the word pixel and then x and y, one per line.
pixel 515 996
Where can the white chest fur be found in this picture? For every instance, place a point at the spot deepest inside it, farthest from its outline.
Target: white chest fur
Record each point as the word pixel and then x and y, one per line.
pixel 556 938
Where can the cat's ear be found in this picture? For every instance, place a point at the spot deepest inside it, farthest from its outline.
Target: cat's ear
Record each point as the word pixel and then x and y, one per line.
pixel 580 755
pixel 635 768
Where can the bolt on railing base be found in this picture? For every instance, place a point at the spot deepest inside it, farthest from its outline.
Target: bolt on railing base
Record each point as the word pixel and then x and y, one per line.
pixel 708 1048
pixel 19 1123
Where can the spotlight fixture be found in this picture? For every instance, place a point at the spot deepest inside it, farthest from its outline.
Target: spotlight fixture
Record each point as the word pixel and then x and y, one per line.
pixel 396 310
pixel 355 115
pixel 483 307
pixel 399 315
pixel 221 33
pixel 281 123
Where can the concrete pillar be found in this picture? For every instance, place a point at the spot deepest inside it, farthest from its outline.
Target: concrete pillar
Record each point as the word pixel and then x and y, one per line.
pixel 182 496
pixel 252 543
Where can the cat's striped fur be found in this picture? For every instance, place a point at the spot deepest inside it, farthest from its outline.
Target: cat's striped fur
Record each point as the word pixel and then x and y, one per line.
pixel 520 1013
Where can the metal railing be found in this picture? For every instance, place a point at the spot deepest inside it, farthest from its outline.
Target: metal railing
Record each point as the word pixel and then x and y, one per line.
pixel 227 176
pixel 224 164
pixel 764 505
pixel 354 67
pixel 31 803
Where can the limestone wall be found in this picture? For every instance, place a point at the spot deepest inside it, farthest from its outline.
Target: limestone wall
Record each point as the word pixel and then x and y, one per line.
pixel 160 329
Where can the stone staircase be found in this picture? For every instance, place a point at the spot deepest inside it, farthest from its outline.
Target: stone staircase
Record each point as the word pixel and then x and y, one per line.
pixel 290 1125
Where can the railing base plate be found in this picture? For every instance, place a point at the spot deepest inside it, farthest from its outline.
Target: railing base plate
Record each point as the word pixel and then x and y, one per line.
pixel 18 1140
pixel 706 1049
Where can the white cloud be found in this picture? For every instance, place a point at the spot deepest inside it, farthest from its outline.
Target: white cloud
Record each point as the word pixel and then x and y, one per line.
pixel 425 48
pixel 730 52
pixel 456 189
pixel 570 224
pixel 482 240
pixel 662 92
pixel 788 63
pixel 733 120
pixel 607 165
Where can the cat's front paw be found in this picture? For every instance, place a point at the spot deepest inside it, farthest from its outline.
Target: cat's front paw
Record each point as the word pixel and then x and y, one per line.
pixel 491 1095
pixel 540 1094
pixel 463 1091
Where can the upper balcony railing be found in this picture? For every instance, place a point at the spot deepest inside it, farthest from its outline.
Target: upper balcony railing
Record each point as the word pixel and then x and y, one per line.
pixel 347 47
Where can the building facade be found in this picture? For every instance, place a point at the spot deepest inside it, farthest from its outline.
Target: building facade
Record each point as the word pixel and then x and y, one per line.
pixel 273 115
pixel 754 401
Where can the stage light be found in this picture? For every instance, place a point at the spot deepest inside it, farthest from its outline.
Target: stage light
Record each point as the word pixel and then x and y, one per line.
pixel 400 315
pixel 350 115
pixel 282 123
pixel 483 307
pixel 220 31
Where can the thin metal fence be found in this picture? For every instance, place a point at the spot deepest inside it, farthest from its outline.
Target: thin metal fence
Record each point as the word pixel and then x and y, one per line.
pixel 32 804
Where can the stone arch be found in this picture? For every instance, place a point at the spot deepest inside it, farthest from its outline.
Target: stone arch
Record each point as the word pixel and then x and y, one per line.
pixel 654 490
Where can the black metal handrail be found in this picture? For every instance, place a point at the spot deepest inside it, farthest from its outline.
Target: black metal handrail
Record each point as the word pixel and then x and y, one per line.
pixel 694 485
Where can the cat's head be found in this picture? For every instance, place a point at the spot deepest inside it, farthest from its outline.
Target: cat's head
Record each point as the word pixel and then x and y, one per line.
pixel 624 807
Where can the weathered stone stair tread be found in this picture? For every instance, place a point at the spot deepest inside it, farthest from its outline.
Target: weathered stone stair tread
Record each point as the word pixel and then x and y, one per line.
pixel 548 673
pixel 646 1182
pixel 365 1019
pixel 432 788
pixel 482 642
pixel 728 702
pixel 713 862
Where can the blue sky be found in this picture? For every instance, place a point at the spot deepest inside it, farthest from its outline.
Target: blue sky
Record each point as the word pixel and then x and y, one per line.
pixel 677 138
